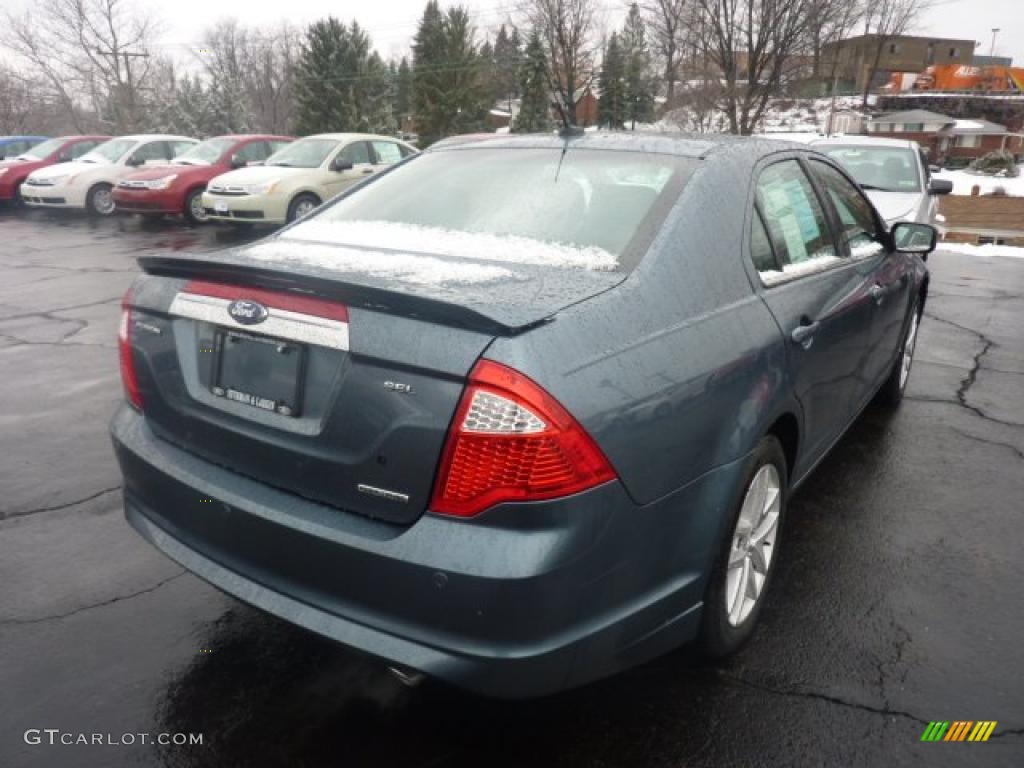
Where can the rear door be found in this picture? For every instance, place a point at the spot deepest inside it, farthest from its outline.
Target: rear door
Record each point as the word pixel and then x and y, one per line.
pixel 816 295
pixel 887 277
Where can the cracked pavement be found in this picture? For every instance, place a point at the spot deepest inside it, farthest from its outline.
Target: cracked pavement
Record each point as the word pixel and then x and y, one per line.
pixel 896 601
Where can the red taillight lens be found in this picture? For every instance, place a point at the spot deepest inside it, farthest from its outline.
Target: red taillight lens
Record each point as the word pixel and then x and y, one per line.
pixel 511 441
pixel 124 348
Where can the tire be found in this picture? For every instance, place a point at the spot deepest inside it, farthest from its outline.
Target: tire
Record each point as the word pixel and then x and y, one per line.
pixel 745 561
pixel 300 206
pixel 890 395
pixel 98 202
pixel 194 212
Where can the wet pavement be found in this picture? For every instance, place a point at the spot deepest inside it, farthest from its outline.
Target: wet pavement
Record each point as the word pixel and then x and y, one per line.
pixel 897 600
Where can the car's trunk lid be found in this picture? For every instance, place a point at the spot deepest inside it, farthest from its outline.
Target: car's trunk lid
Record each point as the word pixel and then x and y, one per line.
pixel 384 357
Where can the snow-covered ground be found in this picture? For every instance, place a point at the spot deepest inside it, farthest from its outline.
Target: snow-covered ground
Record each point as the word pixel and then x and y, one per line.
pixel 1008 251
pixel 963 181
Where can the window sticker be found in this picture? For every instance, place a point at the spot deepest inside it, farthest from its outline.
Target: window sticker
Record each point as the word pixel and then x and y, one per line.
pixel 791 232
pixel 801 206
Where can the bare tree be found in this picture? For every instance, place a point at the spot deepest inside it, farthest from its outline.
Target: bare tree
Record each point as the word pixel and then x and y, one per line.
pixel 887 19
pixel 95 50
pixel 667 23
pixel 567 30
pixel 752 43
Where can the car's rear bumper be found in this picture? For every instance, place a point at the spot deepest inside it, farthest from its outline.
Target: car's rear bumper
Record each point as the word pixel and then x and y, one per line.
pixel 148 201
pixel 526 600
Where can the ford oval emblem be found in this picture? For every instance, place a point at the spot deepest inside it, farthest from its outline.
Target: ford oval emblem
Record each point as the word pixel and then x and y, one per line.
pixel 247 312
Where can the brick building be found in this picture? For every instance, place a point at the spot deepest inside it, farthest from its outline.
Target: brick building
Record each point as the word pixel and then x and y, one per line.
pixel 983 219
pixel 854 56
pixel 944 136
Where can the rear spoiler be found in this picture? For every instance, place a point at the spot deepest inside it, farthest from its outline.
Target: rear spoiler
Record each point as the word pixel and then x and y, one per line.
pixel 336 289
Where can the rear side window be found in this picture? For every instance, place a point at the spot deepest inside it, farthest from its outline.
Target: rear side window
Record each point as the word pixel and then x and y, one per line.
pixel 81 148
pixel 387 152
pixel 761 247
pixel 154 150
pixel 254 152
pixel 795 222
pixel 358 153
pixel 859 228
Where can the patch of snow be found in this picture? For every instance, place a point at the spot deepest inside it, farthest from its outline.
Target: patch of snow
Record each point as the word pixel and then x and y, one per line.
pixel 799 269
pixel 964 180
pixel 1007 251
pixel 973 125
pixel 401 267
pixel 457 244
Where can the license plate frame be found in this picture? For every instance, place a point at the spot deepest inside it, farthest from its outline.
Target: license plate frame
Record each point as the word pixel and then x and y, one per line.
pixel 262 372
pixel 221 206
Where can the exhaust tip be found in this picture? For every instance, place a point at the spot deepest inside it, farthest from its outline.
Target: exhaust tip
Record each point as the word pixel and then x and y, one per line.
pixel 410 678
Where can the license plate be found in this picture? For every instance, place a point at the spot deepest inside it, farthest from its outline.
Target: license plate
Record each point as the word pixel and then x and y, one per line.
pixel 220 206
pixel 259 371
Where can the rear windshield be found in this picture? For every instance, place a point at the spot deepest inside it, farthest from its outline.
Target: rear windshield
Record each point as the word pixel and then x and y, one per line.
pixel 588 209
pixel 887 169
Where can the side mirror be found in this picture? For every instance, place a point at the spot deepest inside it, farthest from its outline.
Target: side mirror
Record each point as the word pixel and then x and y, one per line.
pixel 63 157
pixel 341 164
pixel 134 161
pixel 940 187
pixel 911 237
pixel 237 161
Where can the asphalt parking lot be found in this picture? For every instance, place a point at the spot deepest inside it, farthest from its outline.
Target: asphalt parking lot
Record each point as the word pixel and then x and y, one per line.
pixel 897 600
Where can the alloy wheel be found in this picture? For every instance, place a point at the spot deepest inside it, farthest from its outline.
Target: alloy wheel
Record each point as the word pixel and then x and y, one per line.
pixel 753 544
pixel 196 209
pixel 304 208
pixel 103 201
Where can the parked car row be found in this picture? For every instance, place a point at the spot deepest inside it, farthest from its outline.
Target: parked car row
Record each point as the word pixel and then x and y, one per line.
pixel 158 175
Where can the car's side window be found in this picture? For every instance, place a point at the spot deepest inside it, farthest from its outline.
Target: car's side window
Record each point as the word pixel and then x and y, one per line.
pixel 795 221
pixel 175 148
pixel 81 148
pixel 761 247
pixel 154 150
pixel 859 226
pixel 277 145
pixel 387 152
pixel 254 152
pixel 357 152
pixel 405 150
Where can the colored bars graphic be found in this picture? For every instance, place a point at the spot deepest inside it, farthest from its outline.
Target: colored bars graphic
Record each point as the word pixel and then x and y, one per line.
pixel 958 730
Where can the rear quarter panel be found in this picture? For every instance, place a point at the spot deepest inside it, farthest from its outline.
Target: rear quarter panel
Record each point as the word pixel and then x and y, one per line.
pixel 681 368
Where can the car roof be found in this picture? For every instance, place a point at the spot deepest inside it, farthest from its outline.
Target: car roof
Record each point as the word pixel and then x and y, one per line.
pixel 156 136
pixel 860 140
pixel 666 143
pixel 83 137
pixel 351 136
pixel 7 139
pixel 248 136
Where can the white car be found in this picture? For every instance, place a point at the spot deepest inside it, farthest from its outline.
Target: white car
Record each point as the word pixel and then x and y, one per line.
pixel 88 182
pixel 894 174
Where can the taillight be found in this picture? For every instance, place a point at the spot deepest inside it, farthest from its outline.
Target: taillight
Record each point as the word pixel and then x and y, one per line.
pixel 511 441
pixel 124 349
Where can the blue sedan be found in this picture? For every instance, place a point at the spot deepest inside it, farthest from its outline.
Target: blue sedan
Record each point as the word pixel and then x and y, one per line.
pixel 520 412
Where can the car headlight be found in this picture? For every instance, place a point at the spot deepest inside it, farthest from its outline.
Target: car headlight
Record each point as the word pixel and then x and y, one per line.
pixel 261 189
pixel 162 183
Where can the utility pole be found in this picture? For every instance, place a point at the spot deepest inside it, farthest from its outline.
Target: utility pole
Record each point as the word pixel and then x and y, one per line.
pixel 992 48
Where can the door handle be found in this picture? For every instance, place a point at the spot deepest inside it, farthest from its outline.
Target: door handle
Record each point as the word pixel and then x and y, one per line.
pixel 878 293
pixel 367 171
pixel 804 333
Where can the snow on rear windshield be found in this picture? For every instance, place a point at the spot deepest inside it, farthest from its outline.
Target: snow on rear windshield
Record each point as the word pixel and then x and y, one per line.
pixel 413 269
pixel 584 209
pixel 453 243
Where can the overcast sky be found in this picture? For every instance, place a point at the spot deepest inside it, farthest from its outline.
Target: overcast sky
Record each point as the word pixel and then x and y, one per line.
pixel 393 22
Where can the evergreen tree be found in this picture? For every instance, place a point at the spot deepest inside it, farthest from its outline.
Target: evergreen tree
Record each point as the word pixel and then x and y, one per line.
pixel 403 93
pixel 639 77
pixel 448 90
pixel 611 106
pixel 341 83
pixel 508 56
pixel 535 108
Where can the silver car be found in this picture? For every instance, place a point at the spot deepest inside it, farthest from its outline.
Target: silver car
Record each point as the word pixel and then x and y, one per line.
pixel 893 172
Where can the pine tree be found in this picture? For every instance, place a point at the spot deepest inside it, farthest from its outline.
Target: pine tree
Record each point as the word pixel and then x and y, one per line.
pixel 611 106
pixel 403 105
pixel 321 102
pixel 448 90
pixel 535 108
pixel 342 84
pixel 508 56
pixel 639 78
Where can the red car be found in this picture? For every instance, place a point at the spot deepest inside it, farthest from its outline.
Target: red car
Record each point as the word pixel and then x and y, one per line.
pixel 159 190
pixel 52 151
